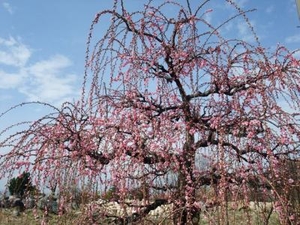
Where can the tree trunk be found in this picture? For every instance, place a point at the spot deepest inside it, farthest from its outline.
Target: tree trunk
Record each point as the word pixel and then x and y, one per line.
pixel 186 194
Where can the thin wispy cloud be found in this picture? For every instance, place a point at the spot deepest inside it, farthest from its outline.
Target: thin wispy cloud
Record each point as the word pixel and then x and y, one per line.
pixel 10 80
pixel 244 32
pixel 46 80
pixel 208 18
pixel 291 6
pixel 8 7
pixel 293 39
pixel 270 9
pixel 241 3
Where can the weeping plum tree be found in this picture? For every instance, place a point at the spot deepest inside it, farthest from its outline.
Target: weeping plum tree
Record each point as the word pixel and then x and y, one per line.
pixel 163 92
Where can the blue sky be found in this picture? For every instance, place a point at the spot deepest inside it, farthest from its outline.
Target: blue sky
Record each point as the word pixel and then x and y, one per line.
pixel 43 43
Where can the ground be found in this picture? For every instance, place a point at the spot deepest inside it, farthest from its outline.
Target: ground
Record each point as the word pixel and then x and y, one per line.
pixel 237 216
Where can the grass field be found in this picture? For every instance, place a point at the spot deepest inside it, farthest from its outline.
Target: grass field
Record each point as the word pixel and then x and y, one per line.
pixel 259 215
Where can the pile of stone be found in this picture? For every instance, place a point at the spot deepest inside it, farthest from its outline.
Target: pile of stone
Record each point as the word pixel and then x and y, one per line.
pixel 48 204
pixel 13 202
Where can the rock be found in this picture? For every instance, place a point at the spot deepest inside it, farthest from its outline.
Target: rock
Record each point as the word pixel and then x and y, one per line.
pixel 29 202
pixel 42 203
pixel 5 202
pixel 11 200
pixel 54 207
pixel 74 205
pixel 16 212
pixel 18 204
pixel 48 203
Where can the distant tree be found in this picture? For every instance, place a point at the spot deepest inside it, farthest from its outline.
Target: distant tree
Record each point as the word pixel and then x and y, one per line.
pixel 20 185
pixel 163 91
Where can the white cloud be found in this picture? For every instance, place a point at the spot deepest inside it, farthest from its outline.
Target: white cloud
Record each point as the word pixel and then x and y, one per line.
pixel 8 7
pixel 45 80
pixel 13 53
pixel 8 42
pixel 10 80
pixel 293 39
pixel 49 80
pixel 50 66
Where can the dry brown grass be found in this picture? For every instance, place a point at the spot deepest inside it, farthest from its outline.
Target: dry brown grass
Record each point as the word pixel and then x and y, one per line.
pixel 30 218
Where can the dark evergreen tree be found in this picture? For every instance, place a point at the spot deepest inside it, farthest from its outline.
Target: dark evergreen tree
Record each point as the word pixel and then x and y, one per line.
pixel 20 185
